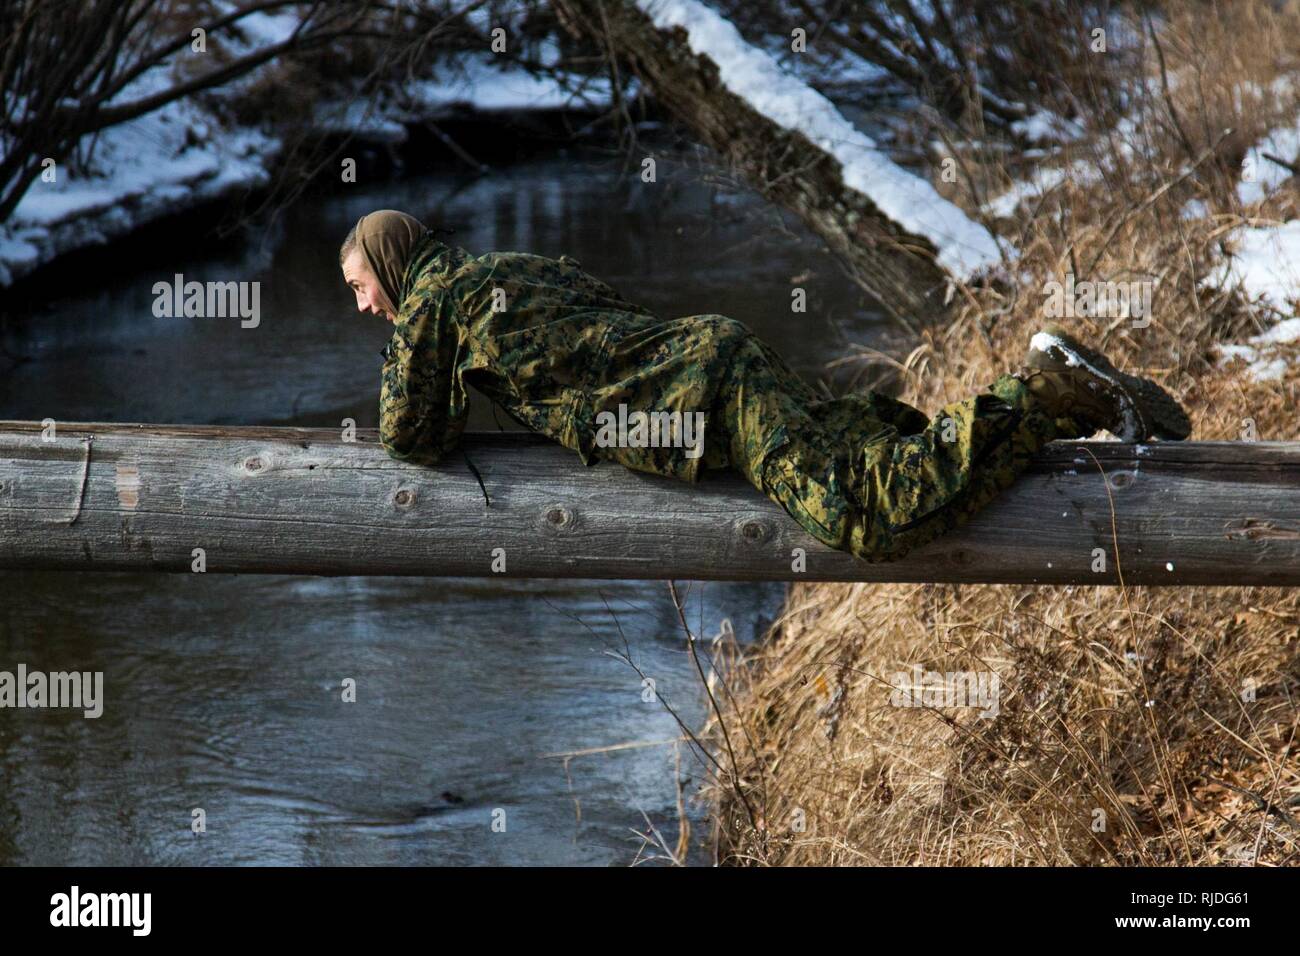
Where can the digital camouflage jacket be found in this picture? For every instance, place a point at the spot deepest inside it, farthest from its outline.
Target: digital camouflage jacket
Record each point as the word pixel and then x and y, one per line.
pixel 550 344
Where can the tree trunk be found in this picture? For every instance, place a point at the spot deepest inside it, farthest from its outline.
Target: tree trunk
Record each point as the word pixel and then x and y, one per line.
pixel 894 266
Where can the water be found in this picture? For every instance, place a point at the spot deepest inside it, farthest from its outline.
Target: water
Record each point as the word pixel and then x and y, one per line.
pixel 224 693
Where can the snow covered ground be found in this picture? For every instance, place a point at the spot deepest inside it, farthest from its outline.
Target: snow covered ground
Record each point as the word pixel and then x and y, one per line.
pixel 1266 267
pixel 477 83
pixel 486 87
pixel 158 164
pixel 1265 264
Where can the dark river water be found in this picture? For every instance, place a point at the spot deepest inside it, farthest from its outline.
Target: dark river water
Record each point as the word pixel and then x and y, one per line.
pixel 222 693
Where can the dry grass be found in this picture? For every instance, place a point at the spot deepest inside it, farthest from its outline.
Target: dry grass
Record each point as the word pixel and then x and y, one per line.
pixel 1124 736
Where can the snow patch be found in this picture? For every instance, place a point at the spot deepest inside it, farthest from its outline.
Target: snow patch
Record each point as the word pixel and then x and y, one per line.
pixel 1266 268
pixel 1082 172
pixel 1261 176
pixel 1266 263
pixel 487 87
pixel 1044 125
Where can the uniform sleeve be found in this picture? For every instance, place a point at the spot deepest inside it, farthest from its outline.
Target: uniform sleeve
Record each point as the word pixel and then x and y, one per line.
pixel 422 403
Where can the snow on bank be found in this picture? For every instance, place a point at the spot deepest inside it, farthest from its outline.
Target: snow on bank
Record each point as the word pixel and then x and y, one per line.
pixel 178 157
pixel 752 74
pixel 1260 176
pixel 163 163
pixel 1080 172
pixel 158 164
pixel 1044 126
pixel 1266 267
pixel 488 88
pixel 478 84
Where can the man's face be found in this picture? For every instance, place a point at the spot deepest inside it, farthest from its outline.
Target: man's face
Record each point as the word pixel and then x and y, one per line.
pixel 370 298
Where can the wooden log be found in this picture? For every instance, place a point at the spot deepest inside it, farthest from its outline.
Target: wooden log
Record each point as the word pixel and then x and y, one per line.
pixel 301 500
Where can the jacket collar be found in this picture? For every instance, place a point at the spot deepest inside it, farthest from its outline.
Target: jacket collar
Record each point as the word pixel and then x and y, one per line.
pixel 430 255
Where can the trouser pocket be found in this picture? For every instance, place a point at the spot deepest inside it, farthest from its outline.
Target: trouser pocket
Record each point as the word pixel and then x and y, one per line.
pixel 812 495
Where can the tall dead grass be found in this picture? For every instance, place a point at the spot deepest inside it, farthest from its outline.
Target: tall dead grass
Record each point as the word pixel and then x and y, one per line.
pixel 1137 726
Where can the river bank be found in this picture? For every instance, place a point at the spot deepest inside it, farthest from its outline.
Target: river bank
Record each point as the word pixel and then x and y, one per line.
pixel 1135 726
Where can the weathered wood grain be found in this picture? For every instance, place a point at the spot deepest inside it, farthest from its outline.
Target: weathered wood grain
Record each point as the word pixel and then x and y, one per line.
pixel 294 500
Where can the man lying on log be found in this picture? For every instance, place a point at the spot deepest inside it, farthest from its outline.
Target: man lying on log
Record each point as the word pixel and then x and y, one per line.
pixel 567 356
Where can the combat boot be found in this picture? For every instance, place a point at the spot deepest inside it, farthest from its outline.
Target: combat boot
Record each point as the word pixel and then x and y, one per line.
pixel 1075 381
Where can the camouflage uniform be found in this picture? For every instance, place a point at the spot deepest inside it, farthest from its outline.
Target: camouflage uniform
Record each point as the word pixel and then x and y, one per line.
pixel 555 347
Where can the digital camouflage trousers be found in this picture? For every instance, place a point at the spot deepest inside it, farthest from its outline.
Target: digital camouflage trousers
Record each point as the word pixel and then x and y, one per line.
pixel 865 473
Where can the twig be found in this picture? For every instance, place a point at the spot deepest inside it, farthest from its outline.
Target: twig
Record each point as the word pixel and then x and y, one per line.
pixel 726 737
pixel 1290 167
pixel 1266 806
pixel 611 748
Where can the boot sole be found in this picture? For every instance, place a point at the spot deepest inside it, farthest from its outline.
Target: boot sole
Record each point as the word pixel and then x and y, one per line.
pixel 1152 404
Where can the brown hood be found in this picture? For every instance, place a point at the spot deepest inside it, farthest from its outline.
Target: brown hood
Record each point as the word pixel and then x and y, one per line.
pixel 385 238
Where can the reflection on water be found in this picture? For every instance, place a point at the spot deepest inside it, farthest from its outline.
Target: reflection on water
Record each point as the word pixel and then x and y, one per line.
pixel 225 693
